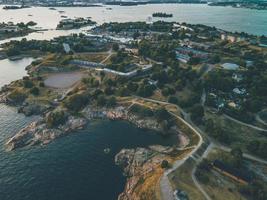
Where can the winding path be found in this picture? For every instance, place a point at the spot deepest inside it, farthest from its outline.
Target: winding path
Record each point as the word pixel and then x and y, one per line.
pixel 165 186
pixel 245 124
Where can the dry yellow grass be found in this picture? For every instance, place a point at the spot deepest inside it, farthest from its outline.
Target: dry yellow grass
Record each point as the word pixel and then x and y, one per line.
pixel 149 189
pixel 97 57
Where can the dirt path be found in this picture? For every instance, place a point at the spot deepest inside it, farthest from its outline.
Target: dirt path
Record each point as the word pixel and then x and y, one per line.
pixel 245 124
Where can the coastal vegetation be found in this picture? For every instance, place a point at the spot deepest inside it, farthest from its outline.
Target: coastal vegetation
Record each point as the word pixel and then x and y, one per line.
pixel 8 30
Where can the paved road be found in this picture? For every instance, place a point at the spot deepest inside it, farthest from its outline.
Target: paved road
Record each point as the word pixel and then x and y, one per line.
pixel 165 186
pixel 245 155
pixel 166 189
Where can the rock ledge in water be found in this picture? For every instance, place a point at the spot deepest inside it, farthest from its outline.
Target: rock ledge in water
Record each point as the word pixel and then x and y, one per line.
pixel 37 132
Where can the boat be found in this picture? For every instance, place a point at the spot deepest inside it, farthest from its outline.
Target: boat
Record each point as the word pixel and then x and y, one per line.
pixel 107 150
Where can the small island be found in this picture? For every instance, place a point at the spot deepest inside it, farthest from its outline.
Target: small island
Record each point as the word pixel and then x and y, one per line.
pixel 162 15
pixel 76 23
pixel 8 30
pixel 15 7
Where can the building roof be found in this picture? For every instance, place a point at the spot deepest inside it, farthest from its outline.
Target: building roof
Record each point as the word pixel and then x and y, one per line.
pixel 235 172
pixel 230 66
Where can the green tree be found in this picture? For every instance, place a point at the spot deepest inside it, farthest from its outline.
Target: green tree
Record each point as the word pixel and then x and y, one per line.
pixel 35 91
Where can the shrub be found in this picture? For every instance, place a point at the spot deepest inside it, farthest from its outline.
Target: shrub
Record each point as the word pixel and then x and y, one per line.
pixel 28 83
pixel 173 99
pixel 164 164
pixel 35 91
pixel 76 102
pixel 56 118
pixel 17 96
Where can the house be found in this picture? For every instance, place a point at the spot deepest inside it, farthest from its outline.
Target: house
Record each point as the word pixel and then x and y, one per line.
pixel 237 77
pixel 185 53
pixel 191 44
pixel 183 58
pixel 66 47
pixel 152 82
pixel 232 104
pixel 249 63
pixel 231 172
pixel 231 38
pixel 180 195
pixel 263 42
pixel 177 27
pixel 239 91
pixel 87 64
pixel 230 66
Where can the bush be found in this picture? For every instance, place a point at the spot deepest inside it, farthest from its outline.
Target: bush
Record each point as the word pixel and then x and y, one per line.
pixel 111 101
pixel 143 111
pixel 35 91
pixel 197 113
pixel 162 114
pixel 76 102
pixel 164 164
pixel 17 96
pixel 56 118
pixel 173 99
pixel 101 100
pixel 28 83
pixel 41 84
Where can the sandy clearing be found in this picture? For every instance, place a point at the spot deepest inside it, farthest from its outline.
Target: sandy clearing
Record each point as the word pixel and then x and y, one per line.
pixel 63 80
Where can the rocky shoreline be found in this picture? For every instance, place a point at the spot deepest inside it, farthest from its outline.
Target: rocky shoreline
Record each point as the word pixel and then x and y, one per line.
pixel 121 113
pixel 137 163
pixel 38 132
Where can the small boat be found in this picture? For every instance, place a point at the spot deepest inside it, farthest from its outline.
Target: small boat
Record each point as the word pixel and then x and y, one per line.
pixel 107 150
pixel 63 16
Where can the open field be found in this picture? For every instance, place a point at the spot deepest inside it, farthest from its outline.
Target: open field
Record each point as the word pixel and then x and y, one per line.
pixel 181 179
pixel 63 80
pixel 92 57
pixel 220 187
pixel 241 135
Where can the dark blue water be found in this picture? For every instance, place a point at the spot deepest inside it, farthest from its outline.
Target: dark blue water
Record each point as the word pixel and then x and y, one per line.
pixel 71 168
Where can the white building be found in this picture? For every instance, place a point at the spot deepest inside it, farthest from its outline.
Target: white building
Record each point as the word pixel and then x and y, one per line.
pixel 230 66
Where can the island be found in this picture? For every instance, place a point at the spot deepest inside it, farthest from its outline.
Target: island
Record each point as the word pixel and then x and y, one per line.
pixel 258 5
pixel 203 85
pixel 74 23
pixel 9 29
pixel 162 15
pixel 15 7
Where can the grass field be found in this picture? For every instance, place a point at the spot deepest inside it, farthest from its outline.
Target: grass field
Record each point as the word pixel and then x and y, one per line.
pixel 181 179
pixel 241 135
